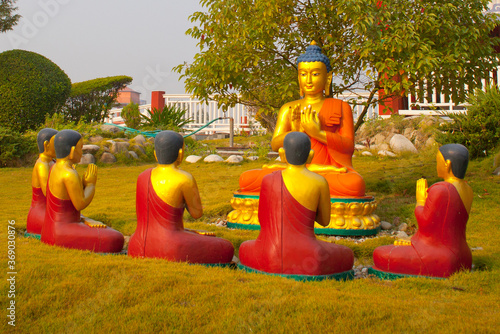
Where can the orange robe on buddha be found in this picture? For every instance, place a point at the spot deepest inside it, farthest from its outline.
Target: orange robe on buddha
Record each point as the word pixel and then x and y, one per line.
pixel 336 120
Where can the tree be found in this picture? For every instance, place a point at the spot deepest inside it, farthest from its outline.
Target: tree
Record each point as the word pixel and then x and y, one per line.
pixel 91 100
pixel 131 115
pixel 7 18
pixel 31 86
pixel 248 48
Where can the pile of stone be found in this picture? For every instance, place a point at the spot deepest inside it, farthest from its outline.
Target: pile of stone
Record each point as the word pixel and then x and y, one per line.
pixel 232 159
pixel 386 139
pixel 105 151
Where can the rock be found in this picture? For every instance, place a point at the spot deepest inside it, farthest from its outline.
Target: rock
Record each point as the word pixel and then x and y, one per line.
pixel 429 142
pixel 400 143
pixel 378 139
pixel 277 159
pixel 403 227
pixel 401 235
pixel 253 158
pixel 119 146
pixel 133 155
pixel 213 158
pixel 367 153
pixel 92 149
pixel 86 159
pixel 496 171
pixel 95 139
pixel 408 133
pixel 110 128
pixel 107 158
pixel 364 270
pixel 385 153
pixel 385 225
pixel 234 159
pixel 139 139
pixel 105 149
pixel 359 147
pixel 139 149
pixel 383 147
pixel 193 158
pixel 476 249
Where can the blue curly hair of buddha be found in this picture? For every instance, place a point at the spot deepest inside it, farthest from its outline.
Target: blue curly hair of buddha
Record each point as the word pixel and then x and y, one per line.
pixel 314 53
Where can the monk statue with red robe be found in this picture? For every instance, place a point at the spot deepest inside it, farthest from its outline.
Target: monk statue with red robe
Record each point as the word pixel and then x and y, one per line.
pixel 291 200
pixel 439 247
pixel 39 177
pixel 67 195
pixel 162 195
pixel 328 123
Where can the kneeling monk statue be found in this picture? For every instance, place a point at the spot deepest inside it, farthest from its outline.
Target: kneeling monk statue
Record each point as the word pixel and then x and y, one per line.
pixel 67 194
pixel 162 194
pixel 39 177
pixel 439 247
pixel 290 201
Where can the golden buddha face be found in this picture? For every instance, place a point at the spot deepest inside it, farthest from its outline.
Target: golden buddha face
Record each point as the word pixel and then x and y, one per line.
pixel 313 77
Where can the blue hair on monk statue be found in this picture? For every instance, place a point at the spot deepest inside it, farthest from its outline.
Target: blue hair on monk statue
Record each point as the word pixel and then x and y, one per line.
pixel 313 53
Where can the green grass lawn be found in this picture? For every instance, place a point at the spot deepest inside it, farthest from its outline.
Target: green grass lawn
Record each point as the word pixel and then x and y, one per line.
pixel 68 291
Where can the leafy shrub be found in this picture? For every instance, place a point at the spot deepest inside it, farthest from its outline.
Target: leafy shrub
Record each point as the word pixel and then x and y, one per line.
pixel 131 115
pixel 15 146
pixel 479 128
pixel 30 87
pixel 91 100
pixel 169 118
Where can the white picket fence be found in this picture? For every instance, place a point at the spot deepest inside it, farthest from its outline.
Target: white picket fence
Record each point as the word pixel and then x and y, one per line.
pixel 436 103
pixel 202 113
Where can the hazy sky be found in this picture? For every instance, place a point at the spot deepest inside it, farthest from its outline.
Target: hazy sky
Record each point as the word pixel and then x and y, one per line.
pixel 97 38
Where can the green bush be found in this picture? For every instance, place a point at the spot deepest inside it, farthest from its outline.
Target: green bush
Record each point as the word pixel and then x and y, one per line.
pixel 14 146
pixel 131 115
pixel 31 86
pixel 479 128
pixel 169 118
pixel 57 121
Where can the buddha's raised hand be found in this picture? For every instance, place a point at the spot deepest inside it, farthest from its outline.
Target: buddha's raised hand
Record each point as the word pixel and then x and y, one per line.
pixel 295 117
pixel 309 120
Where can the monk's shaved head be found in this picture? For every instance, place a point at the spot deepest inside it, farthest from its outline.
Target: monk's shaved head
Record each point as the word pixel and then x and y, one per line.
pixel 44 135
pixel 297 146
pixel 64 141
pixel 459 157
pixel 167 146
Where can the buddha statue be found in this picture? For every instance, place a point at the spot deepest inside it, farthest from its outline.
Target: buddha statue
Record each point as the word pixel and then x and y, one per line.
pixel 162 195
pixel 328 122
pixel 67 195
pixel 39 177
pixel 291 200
pixel 439 247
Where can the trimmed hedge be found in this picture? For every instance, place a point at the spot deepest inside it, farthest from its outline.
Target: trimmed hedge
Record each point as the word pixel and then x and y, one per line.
pixel 91 100
pixel 31 86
